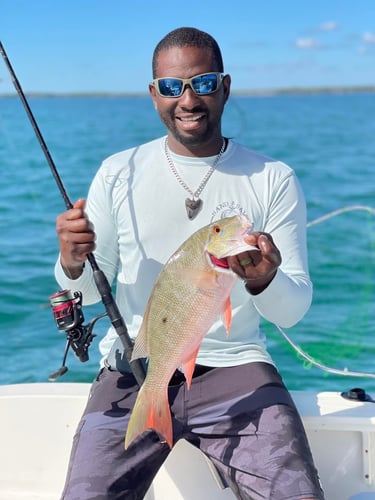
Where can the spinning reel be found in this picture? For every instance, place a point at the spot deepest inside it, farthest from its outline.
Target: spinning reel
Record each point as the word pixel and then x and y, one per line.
pixel 68 314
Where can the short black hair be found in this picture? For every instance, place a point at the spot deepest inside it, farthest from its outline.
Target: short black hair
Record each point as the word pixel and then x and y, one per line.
pixel 192 37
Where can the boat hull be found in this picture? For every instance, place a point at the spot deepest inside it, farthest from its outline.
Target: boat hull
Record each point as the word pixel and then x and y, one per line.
pixel 38 422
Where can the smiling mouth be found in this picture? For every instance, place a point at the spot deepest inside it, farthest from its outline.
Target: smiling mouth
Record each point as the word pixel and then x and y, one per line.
pixel 190 118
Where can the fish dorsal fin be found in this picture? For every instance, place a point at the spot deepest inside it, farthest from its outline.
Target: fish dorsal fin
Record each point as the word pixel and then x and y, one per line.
pixel 227 315
pixel 188 367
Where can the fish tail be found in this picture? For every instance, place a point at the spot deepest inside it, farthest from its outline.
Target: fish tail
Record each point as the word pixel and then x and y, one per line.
pixel 150 412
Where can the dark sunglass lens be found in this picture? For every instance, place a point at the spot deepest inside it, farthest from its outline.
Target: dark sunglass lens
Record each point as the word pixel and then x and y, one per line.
pixel 170 87
pixel 205 84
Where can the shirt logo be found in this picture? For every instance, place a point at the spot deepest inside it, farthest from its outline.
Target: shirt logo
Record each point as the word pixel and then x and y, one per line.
pixel 228 209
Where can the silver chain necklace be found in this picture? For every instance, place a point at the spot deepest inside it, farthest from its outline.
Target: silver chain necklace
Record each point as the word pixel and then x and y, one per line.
pixel 194 204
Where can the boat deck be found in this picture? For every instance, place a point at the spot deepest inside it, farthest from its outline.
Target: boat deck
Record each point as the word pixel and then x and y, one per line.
pixel 38 422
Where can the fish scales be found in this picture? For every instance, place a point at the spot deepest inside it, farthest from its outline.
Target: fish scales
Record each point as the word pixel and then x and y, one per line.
pixel 189 294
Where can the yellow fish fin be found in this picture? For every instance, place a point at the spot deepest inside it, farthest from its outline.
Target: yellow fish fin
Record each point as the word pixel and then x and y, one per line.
pixel 150 411
pixel 188 367
pixel 227 315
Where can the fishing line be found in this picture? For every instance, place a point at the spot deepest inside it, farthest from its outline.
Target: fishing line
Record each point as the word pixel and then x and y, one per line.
pixel 300 352
pixel 100 279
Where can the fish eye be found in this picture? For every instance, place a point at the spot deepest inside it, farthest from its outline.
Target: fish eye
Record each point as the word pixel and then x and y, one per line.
pixel 216 229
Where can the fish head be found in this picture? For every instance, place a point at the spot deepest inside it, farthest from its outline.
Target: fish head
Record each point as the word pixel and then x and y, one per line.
pixel 226 237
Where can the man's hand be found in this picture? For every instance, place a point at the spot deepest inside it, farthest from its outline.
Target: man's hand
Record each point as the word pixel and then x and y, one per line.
pixel 257 268
pixel 76 238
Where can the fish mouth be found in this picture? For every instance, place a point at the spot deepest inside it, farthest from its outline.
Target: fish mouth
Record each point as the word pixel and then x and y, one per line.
pixel 223 262
pixel 227 244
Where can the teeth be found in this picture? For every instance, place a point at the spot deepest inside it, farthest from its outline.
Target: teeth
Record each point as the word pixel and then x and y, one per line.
pixel 191 119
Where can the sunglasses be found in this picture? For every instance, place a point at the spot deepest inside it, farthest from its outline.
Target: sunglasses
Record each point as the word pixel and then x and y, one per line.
pixel 204 84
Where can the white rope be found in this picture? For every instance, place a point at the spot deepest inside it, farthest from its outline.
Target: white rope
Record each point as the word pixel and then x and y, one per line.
pixel 339 212
pixel 321 366
pixel 299 351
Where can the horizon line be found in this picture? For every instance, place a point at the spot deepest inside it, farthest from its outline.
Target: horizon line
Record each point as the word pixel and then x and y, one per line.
pixel 244 92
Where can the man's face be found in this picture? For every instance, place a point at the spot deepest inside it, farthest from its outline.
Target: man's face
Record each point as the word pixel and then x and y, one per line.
pixel 193 121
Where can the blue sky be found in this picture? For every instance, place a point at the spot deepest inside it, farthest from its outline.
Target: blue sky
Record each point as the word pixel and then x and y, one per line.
pixel 106 46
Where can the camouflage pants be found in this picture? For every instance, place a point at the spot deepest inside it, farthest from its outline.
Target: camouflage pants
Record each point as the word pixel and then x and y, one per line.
pixel 242 417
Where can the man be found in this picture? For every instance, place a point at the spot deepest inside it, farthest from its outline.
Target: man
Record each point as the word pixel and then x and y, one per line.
pixel 143 203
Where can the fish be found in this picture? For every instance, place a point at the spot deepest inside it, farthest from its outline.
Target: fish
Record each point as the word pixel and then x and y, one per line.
pixel 191 292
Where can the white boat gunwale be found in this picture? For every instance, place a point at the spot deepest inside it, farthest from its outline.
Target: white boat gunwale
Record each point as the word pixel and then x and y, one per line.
pixel 38 421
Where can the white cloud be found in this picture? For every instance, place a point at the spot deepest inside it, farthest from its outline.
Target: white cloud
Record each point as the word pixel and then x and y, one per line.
pixel 367 43
pixel 368 38
pixel 307 43
pixel 328 26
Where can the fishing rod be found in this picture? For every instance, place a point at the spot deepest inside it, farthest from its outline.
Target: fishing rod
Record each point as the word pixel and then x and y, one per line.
pixel 100 279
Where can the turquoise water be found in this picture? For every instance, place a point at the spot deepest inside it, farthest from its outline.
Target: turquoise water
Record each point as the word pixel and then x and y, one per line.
pixel 327 138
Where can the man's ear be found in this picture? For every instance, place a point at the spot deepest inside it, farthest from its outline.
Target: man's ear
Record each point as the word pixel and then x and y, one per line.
pixel 226 84
pixel 152 92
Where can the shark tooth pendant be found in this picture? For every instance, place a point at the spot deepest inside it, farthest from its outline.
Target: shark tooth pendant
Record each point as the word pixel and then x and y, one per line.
pixel 193 207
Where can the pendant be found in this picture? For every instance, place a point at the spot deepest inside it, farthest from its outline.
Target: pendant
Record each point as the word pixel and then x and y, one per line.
pixel 193 207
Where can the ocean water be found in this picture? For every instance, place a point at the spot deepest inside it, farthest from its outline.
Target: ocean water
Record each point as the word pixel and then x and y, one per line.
pixel 327 138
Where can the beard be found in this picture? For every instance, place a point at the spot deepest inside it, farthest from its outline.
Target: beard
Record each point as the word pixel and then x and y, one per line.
pixel 193 138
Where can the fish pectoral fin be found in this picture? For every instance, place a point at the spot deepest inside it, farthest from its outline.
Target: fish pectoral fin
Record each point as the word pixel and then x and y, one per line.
pixel 151 411
pixel 188 367
pixel 227 315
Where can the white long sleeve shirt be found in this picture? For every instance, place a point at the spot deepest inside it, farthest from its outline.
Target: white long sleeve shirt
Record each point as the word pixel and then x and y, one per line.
pixel 137 207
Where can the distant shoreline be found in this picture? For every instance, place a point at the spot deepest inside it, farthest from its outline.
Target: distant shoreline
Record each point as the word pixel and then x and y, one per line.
pixel 244 93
